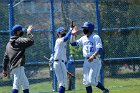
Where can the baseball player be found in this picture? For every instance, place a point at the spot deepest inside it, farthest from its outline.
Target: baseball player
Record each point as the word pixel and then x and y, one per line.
pixel 71 73
pixel 60 58
pixel 15 57
pixel 91 47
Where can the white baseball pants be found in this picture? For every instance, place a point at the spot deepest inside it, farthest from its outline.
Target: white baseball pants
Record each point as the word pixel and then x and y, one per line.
pixel 61 73
pixel 20 78
pixel 91 72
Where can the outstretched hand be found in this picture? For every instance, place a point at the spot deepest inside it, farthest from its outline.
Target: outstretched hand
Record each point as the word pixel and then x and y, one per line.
pixel 29 29
pixel 74 30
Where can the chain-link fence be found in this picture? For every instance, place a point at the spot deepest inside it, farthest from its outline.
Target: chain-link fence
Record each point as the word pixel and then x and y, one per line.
pixel 120 22
pixel 120 33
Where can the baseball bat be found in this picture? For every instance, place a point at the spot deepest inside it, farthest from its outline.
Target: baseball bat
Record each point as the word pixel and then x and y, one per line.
pixel 72 25
pixel 46 58
pixel 71 74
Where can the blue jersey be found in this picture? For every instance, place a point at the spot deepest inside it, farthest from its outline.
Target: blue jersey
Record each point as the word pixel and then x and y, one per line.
pixel 70 66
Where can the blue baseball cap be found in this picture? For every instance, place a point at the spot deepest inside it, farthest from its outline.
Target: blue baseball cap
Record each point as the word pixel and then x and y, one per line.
pixel 60 29
pixel 88 25
pixel 15 29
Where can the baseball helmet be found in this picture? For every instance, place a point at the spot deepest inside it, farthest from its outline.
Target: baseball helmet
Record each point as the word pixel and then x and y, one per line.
pixel 88 25
pixel 15 29
pixel 60 29
pixel 71 57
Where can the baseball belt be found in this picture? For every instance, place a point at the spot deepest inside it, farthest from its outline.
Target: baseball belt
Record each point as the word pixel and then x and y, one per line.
pixel 88 58
pixel 58 60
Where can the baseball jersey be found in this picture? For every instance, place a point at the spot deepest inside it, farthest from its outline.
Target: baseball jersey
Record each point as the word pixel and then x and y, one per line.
pixel 60 49
pixel 90 44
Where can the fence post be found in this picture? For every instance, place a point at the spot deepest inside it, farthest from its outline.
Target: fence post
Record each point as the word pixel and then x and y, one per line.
pixel 53 41
pixel 99 33
pixel 11 24
pixel 11 15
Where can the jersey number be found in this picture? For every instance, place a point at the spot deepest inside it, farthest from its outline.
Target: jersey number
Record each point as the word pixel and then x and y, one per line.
pixel 91 49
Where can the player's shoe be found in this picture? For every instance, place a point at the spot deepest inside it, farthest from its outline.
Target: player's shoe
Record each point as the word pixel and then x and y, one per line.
pixel 106 91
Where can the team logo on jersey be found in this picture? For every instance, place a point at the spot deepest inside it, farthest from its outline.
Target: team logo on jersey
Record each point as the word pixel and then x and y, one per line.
pixel 88 43
pixel 89 46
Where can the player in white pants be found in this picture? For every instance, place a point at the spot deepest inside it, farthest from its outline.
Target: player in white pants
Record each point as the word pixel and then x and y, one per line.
pixel 92 46
pixel 15 57
pixel 60 58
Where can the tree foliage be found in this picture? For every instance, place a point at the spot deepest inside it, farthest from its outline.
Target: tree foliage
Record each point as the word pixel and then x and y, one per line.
pixel 120 42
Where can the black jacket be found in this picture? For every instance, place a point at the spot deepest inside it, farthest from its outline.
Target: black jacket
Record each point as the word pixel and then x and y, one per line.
pixel 14 53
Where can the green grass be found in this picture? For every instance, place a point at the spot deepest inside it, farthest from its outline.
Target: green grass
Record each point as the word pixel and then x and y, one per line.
pixel 131 85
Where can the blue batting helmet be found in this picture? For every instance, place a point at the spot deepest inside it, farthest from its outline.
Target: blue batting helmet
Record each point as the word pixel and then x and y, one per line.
pixel 88 25
pixel 15 29
pixel 60 29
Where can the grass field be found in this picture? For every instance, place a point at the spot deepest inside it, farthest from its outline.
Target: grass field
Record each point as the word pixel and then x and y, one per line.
pixel 43 84
pixel 130 85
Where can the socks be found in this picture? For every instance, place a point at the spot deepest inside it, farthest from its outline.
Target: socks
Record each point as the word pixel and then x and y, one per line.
pixel 61 89
pixel 100 86
pixel 89 89
pixel 26 91
pixel 14 91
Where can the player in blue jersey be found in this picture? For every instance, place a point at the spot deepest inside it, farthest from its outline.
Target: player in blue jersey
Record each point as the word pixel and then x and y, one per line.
pixel 92 48
pixel 71 73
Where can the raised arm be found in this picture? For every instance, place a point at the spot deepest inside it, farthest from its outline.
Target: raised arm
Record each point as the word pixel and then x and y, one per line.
pixel 26 42
pixel 67 35
pixel 72 39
